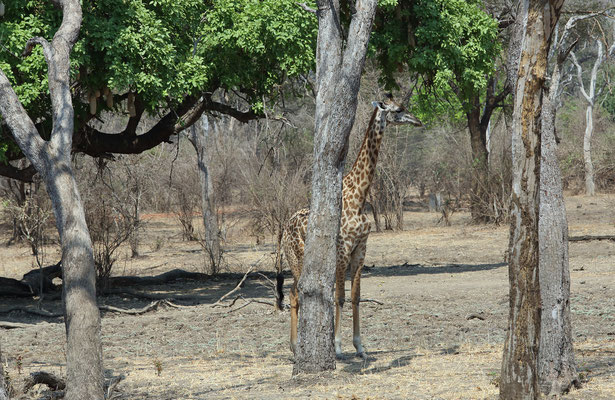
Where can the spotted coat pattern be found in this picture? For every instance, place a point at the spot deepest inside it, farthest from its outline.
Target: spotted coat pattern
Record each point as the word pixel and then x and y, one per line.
pixel 354 226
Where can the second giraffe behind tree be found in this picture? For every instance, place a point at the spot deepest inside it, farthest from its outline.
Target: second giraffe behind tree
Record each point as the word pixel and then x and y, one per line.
pixel 354 226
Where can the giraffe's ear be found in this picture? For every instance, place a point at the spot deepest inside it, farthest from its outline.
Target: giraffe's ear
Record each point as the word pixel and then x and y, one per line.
pixel 378 104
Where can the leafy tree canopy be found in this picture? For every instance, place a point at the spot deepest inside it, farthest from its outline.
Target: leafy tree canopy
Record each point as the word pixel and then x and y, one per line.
pixel 171 55
pixel 450 45
pixel 168 53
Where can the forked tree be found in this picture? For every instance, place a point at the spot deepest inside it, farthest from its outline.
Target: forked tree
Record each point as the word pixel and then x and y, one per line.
pixel 590 95
pixel 340 57
pixel 519 379
pixel 52 160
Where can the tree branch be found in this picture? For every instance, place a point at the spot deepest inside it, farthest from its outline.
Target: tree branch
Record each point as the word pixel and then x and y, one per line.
pixel 95 143
pixel 306 8
pixel 47 51
pixel 580 77
pixel 23 175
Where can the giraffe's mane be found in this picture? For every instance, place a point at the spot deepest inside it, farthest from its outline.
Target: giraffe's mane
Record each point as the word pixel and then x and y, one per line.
pixel 369 128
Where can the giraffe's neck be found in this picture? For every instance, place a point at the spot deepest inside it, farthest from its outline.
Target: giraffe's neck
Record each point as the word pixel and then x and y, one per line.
pixel 359 179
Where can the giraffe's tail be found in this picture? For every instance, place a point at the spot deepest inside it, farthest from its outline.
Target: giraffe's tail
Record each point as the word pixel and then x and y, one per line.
pixel 279 286
pixel 279 289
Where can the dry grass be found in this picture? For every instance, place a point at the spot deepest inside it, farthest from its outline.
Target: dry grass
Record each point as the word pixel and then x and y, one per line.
pixel 420 344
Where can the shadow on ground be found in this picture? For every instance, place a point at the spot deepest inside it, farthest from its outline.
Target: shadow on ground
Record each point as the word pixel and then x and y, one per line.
pixel 204 290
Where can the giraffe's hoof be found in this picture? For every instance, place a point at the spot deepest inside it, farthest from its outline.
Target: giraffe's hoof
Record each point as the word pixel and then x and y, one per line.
pixel 361 354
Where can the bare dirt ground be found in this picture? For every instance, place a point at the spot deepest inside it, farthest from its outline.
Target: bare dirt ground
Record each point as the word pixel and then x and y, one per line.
pixel 420 343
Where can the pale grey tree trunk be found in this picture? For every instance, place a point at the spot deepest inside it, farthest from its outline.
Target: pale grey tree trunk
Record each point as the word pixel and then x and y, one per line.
pixel 590 98
pixel 199 137
pixel 339 63
pixel 556 364
pixel 52 160
pixel 519 377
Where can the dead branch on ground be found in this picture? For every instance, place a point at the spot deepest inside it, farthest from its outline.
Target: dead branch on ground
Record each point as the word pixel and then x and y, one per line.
pixel 12 325
pixel 590 237
pixel 217 303
pixel 372 301
pixel 154 305
pixel 111 386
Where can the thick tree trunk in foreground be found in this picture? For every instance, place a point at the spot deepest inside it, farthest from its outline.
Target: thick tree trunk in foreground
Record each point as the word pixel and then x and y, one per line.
pixel 83 350
pixel 198 137
pixel 556 364
pixel 519 378
pixel 52 159
pixel 339 63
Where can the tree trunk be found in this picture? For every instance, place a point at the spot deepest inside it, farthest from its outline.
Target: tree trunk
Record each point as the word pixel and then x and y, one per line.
pixel 479 199
pixel 339 63
pixel 52 159
pixel 590 187
pixel 198 138
pixel 399 211
pixel 590 98
pixel 556 364
pixel 374 203
pixel 3 387
pixel 519 377
pixel 84 373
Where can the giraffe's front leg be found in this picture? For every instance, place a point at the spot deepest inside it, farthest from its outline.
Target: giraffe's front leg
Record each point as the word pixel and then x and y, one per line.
pixel 340 296
pixel 294 309
pixel 357 259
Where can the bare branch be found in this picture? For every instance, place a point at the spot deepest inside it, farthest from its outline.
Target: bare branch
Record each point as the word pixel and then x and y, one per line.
pixel 580 77
pixel 217 303
pixel 47 51
pixel 307 8
pixel 24 175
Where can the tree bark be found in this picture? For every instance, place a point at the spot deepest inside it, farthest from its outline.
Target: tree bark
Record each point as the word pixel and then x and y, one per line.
pixel 556 363
pixel 590 186
pixel 375 206
pixel 339 63
pixel 479 200
pixel 3 387
pixel 519 377
pixel 198 138
pixel 52 159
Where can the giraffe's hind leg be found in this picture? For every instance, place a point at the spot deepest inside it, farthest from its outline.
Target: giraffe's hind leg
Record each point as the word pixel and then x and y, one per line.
pixel 356 264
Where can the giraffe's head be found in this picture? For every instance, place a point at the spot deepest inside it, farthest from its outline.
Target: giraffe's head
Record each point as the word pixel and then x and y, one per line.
pixel 394 113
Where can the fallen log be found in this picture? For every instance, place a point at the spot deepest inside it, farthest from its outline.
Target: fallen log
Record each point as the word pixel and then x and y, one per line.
pixel 43 277
pixel 14 288
pixel 167 277
pixel 31 283
pixel 45 378
pixel 590 237
pixel 12 325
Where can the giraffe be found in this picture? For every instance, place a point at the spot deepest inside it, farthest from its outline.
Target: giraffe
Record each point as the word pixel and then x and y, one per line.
pixel 354 226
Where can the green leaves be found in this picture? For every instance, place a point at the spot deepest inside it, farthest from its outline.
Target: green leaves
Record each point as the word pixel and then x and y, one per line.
pixel 448 43
pixel 162 50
